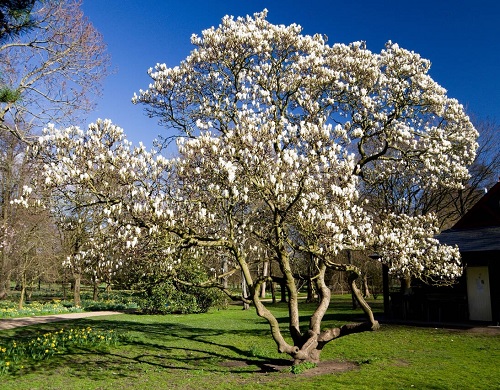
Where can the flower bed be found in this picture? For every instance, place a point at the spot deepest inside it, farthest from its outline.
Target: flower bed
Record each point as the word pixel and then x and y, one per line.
pixel 16 355
pixel 9 309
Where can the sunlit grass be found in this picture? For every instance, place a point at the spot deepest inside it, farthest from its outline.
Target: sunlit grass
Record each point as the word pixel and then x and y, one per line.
pixel 232 348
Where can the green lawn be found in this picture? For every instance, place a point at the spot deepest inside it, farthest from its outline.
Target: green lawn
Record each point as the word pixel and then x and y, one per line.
pixel 231 349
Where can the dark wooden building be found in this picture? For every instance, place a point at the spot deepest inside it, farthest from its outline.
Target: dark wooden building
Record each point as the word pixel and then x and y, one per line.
pixel 477 234
pixel 476 295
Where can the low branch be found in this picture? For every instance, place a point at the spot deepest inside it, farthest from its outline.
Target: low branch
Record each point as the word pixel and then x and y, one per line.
pixel 212 284
pixel 330 334
pixel 262 311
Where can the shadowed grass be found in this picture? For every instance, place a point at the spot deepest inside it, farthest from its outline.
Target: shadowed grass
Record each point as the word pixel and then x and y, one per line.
pixel 232 349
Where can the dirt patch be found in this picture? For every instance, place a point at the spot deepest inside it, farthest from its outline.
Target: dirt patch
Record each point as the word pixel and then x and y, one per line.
pixel 323 367
pixel 490 330
pixel 401 363
pixel 484 330
pixel 235 363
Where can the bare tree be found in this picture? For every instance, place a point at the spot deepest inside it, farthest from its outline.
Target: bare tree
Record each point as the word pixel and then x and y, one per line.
pixel 36 252
pixel 52 61
pixel 56 68
pixel 15 17
pixel 484 172
pixel 12 174
pixel 27 237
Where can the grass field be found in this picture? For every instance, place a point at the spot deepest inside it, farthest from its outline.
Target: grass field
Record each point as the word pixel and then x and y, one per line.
pixel 232 349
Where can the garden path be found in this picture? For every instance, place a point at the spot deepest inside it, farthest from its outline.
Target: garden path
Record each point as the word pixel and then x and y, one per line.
pixel 10 323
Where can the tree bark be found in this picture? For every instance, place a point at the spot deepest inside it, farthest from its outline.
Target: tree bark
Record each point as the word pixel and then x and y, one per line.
pixel 283 291
pixel 310 284
pixel 76 290
pixel 312 343
pixel 95 294
pixel 244 292
pixel 353 298
pixel 273 286
pixel 23 292
pixel 366 289
pixel 224 271
pixel 265 273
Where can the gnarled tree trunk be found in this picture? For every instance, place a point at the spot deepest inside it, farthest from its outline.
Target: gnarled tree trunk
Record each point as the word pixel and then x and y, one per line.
pixel 307 345
pixel 366 289
pixel 76 290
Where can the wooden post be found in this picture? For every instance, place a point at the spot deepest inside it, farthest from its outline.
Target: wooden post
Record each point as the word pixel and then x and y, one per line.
pixel 385 288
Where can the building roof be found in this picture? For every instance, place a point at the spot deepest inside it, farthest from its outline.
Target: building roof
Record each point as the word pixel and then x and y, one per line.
pixel 472 240
pixel 479 229
pixel 486 212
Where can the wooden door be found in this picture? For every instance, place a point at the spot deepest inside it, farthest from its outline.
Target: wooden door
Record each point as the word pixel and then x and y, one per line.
pixel 478 294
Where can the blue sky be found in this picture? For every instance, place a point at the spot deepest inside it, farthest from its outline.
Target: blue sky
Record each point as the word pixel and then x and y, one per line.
pixel 461 38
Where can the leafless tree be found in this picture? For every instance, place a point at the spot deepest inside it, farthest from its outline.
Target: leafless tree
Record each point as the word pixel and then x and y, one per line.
pixel 35 250
pixel 56 68
pixel 12 174
pixel 484 171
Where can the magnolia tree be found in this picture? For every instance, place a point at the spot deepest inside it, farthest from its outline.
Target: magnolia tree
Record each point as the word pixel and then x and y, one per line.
pixel 284 130
pixel 102 193
pixel 279 134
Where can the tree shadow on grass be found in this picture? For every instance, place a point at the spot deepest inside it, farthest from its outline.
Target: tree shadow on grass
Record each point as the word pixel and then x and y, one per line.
pixel 156 346
pixel 169 345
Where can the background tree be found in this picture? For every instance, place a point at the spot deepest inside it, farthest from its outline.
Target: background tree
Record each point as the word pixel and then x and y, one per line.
pixel 109 212
pixel 53 58
pixel 28 237
pixel 56 66
pixel 35 252
pixel 484 173
pixel 395 193
pixel 75 237
pixel 13 175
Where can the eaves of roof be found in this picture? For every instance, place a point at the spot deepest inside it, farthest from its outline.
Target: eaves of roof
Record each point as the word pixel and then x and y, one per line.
pixel 472 240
